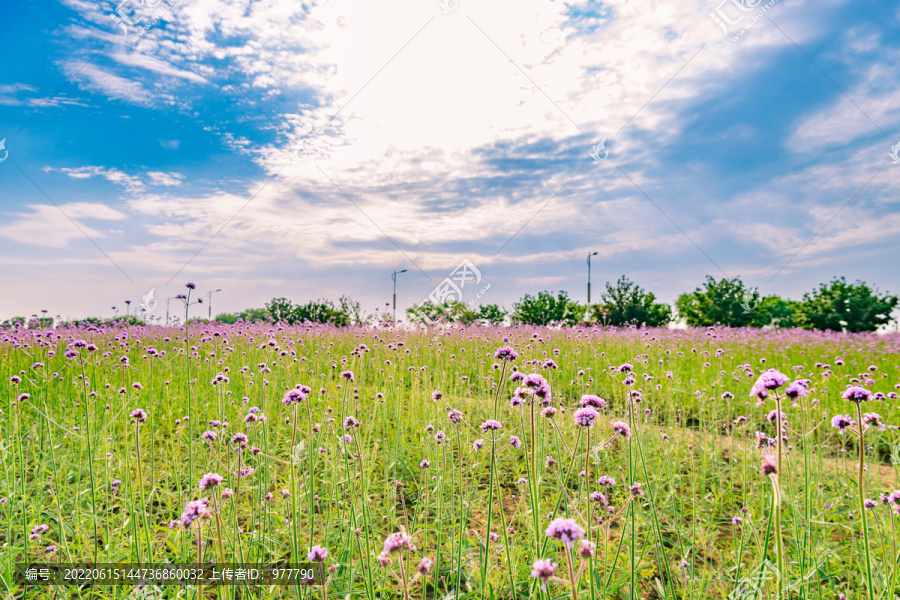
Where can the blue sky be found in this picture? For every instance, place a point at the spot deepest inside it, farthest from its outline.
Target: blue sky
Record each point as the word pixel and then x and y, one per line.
pixel 163 149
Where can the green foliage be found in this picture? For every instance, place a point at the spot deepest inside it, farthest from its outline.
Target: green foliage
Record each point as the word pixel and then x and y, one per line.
pixel 251 315
pixel 626 303
pixel 12 323
pixel 314 311
pixel 725 302
pixel 455 311
pixel 545 309
pixel 839 305
pixel 775 311
pixel 491 314
pixel 353 309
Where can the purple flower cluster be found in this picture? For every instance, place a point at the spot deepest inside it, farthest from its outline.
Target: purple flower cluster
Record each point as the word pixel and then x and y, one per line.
pixel 566 530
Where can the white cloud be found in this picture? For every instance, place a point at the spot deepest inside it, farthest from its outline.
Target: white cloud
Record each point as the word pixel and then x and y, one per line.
pixel 53 227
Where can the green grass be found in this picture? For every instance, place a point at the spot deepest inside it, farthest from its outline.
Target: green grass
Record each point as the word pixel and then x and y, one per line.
pixel 65 444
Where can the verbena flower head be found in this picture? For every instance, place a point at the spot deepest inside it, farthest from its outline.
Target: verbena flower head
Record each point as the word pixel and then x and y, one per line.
pixel 599 498
pixel 542 570
pixel 293 396
pixel 586 549
pixel 594 401
pixel 505 353
pixel 515 442
pixel 842 422
pixel 874 420
pixel 210 480
pixel 769 465
pixel 397 542
pixel 606 480
pixel 585 416
pixel 194 510
pixel 424 566
pixel 490 425
pixel 317 554
pixel 770 380
pixel 139 415
pixel 350 422
pixel 454 415
pixel 622 429
pixel 856 393
pixel 566 530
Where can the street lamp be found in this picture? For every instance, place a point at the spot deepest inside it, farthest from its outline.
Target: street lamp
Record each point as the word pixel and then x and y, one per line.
pixel 589 278
pixel 210 301
pixel 394 277
pixel 127 308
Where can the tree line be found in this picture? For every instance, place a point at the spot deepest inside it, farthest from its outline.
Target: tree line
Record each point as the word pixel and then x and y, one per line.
pixel 836 305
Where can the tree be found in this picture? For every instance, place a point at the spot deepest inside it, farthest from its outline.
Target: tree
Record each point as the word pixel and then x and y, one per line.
pixel 491 314
pixel 281 309
pixel 627 303
pixel 840 306
pixel 724 302
pixel 316 311
pixel 353 309
pixel 546 309
pixel 448 312
pixel 774 311
pixel 251 315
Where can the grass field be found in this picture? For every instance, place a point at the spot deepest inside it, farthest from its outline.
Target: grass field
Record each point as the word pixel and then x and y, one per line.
pixel 106 434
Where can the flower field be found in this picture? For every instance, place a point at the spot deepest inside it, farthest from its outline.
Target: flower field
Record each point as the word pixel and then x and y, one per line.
pixel 464 462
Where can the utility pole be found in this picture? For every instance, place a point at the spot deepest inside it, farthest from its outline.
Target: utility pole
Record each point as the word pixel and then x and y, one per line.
pixel 210 301
pixel 394 277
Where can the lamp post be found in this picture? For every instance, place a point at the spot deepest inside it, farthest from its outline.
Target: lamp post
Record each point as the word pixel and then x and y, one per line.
pixel 589 278
pixel 394 277
pixel 127 308
pixel 210 301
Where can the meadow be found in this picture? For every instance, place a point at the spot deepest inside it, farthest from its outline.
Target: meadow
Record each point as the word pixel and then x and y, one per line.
pixel 463 462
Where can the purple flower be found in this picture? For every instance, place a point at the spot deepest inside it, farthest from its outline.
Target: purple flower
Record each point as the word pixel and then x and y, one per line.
pixel 505 353
pixel 350 422
pixel 543 570
pixel 607 481
pixel 548 412
pixel 454 415
pixel 194 510
pixel 567 530
pixel 397 542
pixel 39 530
pixel 636 490
pixel 424 566
pixel 490 425
pixel 769 466
pixel 842 422
pixel 585 416
pixel 515 442
pixel 293 396
pixel 622 429
pixel 209 436
pixel 210 480
pixel 586 550
pixel 317 554
pixel 139 415
pixel 874 420
pixel 856 394
pixel 599 498
pixel 770 380
pixel 348 375
pixel 190 286
pixel 477 444
pixel 736 520
pixel 594 401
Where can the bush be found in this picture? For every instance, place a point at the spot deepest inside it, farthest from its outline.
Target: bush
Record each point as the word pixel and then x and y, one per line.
pixel 546 309
pixel 842 306
pixel 627 303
